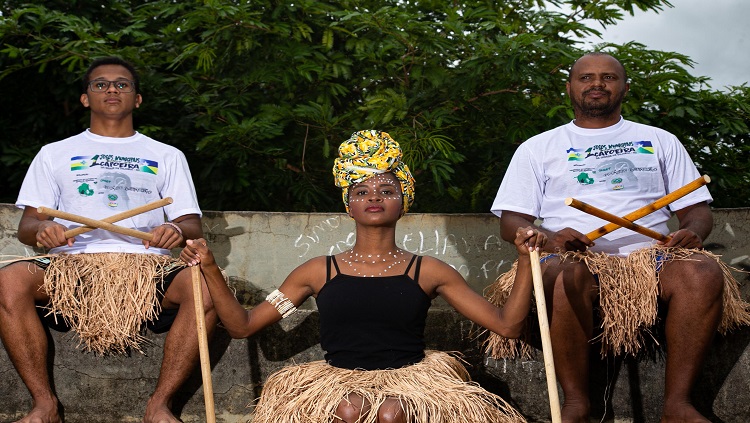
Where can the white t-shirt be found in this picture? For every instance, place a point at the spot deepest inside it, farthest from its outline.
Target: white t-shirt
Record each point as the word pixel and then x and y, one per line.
pixel 97 177
pixel 617 169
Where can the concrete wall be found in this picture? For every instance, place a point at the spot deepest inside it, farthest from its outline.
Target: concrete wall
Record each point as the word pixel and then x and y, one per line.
pixel 259 249
pixel 262 248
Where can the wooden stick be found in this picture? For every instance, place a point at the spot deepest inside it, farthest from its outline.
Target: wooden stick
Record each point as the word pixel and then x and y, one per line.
pixel 72 233
pixel 580 205
pixel 95 223
pixel 549 362
pixel 650 208
pixel 200 321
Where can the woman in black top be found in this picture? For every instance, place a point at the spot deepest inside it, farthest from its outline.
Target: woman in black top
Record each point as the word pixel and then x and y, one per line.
pixel 373 302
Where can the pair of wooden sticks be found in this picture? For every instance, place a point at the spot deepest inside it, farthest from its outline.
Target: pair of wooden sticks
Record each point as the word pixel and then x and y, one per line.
pixel 628 220
pixel 200 318
pixel 615 223
pixel 107 222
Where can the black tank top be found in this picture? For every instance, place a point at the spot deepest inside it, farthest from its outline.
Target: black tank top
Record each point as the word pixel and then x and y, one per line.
pixel 372 323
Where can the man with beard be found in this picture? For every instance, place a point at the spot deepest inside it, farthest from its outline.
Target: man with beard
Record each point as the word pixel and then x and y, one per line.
pixel 584 160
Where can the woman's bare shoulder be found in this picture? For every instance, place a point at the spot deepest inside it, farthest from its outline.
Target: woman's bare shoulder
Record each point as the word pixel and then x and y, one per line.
pixel 310 274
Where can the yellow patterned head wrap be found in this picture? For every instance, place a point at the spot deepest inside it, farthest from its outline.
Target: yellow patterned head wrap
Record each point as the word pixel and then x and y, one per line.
pixel 366 154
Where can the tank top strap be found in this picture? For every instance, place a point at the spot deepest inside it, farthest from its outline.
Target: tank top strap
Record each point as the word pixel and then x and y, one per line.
pixel 416 269
pixel 411 262
pixel 328 268
pixel 330 259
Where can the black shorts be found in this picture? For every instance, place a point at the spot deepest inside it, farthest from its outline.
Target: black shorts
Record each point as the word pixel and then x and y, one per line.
pixel 161 324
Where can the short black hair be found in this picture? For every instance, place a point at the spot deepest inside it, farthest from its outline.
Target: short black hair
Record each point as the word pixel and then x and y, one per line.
pixel 111 60
pixel 598 53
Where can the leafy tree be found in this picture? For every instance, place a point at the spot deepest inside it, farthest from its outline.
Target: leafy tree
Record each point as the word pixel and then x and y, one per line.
pixel 258 94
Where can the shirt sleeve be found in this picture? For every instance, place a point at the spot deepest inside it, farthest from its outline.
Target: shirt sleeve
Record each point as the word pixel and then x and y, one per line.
pixel 178 185
pixel 39 188
pixel 522 187
pixel 680 170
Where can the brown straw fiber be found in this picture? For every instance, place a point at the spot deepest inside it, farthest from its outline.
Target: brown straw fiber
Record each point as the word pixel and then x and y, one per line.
pixel 435 390
pixel 106 297
pixel 628 295
pixel 499 346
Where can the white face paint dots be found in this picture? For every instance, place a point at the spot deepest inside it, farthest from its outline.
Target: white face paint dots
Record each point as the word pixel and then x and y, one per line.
pixel 379 187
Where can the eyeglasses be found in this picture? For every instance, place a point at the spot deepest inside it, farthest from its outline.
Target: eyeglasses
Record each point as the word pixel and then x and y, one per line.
pixel 121 85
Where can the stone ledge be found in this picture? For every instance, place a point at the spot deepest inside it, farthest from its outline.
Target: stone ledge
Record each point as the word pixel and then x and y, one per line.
pixel 118 387
pixel 259 249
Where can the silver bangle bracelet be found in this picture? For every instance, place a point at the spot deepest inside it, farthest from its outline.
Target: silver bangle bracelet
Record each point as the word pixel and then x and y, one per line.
pixel 282 304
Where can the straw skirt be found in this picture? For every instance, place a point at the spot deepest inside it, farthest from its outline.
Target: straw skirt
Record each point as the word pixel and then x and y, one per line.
pixel 106 297
pixel 628 298
pixel 435 390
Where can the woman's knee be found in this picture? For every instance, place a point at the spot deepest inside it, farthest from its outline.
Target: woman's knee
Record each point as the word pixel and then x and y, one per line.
pixel 351 409
pixel 391 412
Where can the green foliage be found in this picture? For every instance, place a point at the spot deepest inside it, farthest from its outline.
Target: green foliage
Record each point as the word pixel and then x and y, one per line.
pixel 259 93
pixel 712 125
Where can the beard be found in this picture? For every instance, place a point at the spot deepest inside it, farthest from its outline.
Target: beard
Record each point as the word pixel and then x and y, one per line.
pixel 607 106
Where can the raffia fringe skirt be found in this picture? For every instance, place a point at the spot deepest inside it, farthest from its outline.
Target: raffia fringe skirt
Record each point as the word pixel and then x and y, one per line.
pixel 628 295
pixel 435 390
pixel 106 297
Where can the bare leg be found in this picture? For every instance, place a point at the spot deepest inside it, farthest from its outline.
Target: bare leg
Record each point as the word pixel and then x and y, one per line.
pixel 692 291
pixel 571 288
pixel 351 409
pixel 354 409
pixel 391 412
pixel 180 347
pixel 24 337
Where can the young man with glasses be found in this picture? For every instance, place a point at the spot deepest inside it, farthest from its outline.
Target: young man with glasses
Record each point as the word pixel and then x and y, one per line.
pixel 103 171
